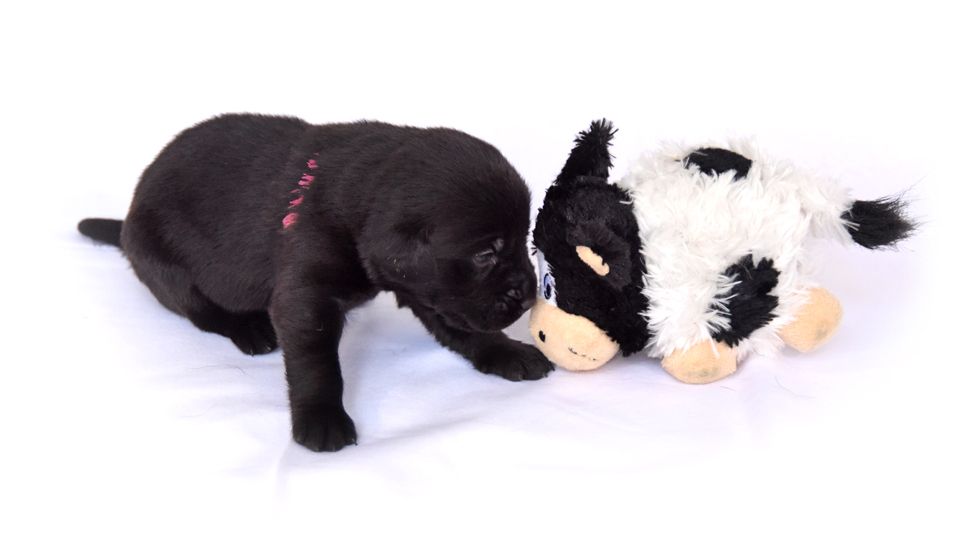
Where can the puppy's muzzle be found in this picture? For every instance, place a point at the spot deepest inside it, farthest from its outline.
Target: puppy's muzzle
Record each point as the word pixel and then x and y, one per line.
pixel 519 298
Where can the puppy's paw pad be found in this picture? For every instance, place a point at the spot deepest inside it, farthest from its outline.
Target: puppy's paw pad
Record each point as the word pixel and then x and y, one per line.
pixel 253 334
pixel 514 362
pixel 324 429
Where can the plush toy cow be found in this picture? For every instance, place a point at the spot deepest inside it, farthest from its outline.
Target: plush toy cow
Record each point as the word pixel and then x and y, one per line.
pixel 696 256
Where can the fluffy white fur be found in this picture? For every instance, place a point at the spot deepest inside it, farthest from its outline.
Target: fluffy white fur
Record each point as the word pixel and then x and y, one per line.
pixel 694 226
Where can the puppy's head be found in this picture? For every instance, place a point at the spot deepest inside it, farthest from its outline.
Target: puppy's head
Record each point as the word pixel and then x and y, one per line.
pixel 455 236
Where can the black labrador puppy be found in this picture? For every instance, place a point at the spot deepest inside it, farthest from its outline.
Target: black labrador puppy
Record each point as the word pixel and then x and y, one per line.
pixel 268 230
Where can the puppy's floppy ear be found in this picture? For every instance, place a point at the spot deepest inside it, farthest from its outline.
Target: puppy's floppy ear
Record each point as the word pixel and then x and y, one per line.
pixel 590 158
pixel 602 251
pixel 403 255
pixel 413 231
pixel 412 246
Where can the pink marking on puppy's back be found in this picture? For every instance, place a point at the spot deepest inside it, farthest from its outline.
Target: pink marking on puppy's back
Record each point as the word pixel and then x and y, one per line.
pixel 289 220
pixel 304 183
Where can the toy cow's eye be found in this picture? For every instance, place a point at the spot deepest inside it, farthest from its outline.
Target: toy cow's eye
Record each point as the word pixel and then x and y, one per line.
pixel 548 286
pixel 547 282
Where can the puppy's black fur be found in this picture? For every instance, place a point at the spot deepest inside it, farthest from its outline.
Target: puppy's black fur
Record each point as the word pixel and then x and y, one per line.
pixel 434 215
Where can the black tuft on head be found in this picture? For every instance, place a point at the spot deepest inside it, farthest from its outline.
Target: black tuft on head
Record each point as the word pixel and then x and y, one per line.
pixel 878 223
pixel 590 157
pixel 718 161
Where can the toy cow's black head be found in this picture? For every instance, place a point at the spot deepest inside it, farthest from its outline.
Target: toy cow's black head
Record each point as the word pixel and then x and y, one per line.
pixel 591 270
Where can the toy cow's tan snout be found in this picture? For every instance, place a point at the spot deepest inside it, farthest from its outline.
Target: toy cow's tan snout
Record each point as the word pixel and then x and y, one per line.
pixel 710 360
pixel 569 340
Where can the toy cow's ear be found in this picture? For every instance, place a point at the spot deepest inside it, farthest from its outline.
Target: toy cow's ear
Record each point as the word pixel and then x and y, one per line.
pixel 590 158
pixel 593 260
pixel 603 251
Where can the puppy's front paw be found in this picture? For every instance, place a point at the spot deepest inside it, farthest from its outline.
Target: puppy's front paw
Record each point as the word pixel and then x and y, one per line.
pixel 514 361
pixel 323 429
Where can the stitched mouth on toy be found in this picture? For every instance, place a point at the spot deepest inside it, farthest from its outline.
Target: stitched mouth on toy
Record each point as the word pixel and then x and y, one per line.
pixel 591 359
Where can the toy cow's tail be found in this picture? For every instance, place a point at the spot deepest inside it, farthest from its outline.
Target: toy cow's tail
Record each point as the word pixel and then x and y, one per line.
pixel 878 223
pixel 108 231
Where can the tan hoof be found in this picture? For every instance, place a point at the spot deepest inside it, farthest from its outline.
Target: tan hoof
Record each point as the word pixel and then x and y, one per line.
pixel 703 362
pixel 815 323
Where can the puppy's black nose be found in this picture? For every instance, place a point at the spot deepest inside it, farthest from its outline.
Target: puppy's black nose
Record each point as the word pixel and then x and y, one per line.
pixel 524 299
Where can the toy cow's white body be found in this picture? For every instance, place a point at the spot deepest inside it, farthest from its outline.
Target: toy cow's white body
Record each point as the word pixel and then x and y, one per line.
pixel 693 225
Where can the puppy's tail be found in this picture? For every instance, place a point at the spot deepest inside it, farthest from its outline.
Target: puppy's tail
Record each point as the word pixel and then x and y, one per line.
pixel 108 231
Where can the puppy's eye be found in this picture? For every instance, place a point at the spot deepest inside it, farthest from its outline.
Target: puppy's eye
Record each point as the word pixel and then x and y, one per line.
pixel 485 258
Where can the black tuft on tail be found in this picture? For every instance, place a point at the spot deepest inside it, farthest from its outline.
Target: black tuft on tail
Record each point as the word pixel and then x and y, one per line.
pixel 108 231
pixel 591 155
pixel 878 223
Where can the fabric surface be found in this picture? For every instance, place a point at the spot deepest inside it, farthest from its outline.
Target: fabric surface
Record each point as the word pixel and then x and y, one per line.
pixel 149 416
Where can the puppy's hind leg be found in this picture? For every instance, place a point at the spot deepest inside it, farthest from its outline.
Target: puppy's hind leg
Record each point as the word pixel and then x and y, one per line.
pixel 173 286
pixel 251 331
pixel 160 266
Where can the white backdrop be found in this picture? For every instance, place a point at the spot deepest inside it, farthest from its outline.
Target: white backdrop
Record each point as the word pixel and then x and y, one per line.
pixel 123 425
